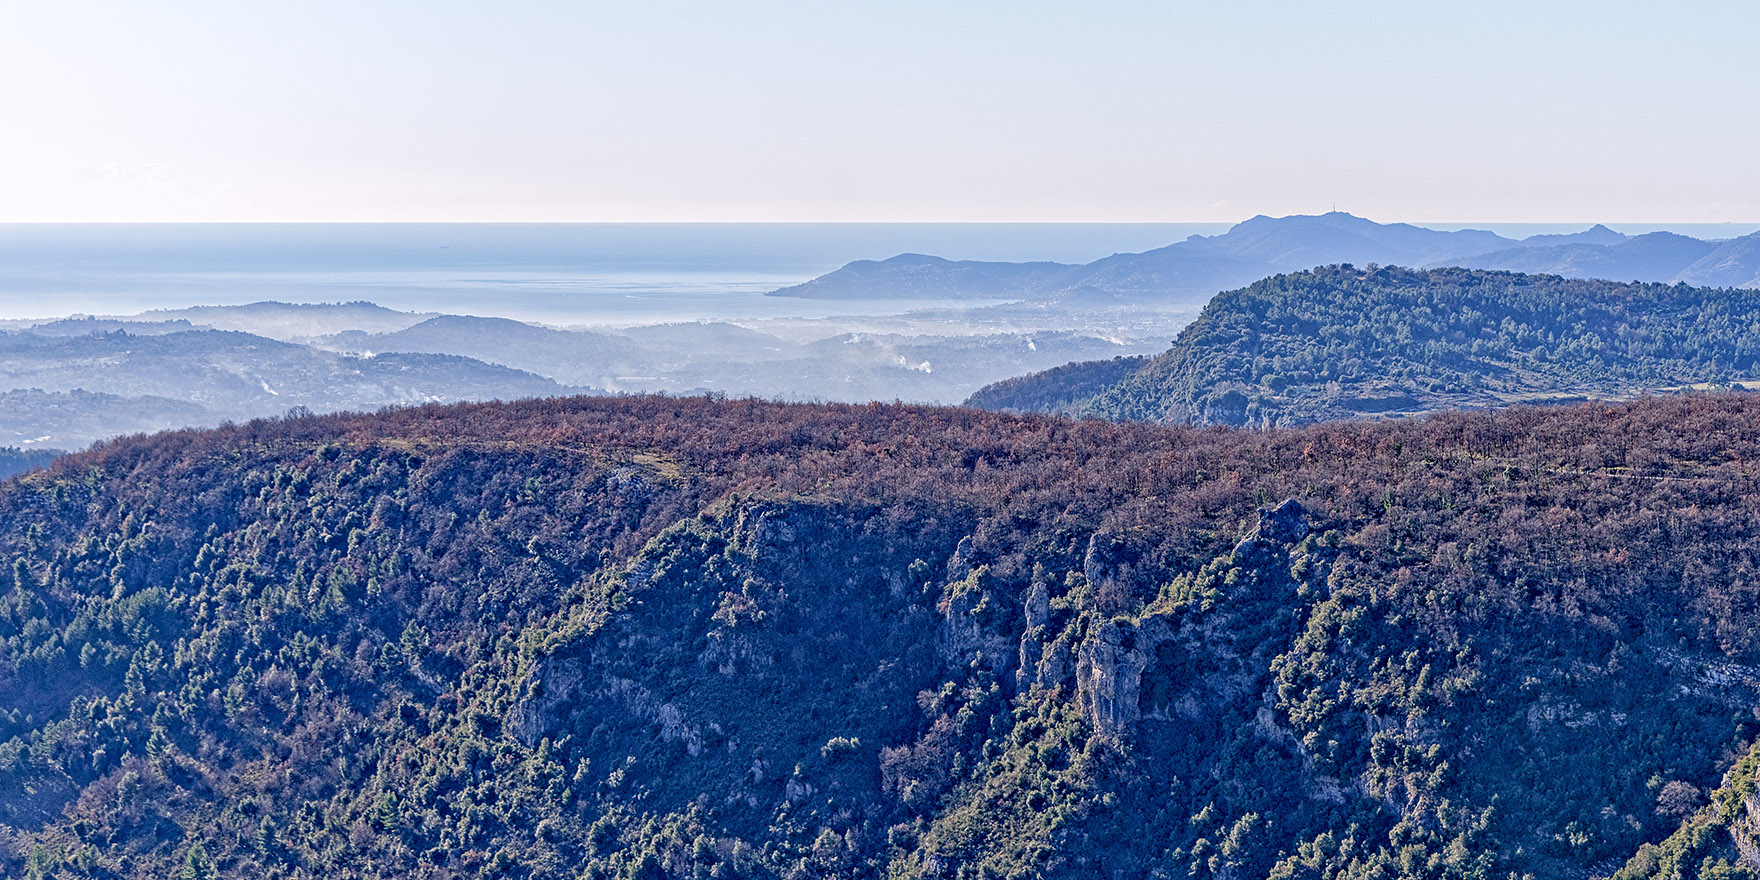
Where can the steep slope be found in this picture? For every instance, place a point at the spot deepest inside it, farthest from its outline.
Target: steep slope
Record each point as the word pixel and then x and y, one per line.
pixel 684 637
pixel 1341 342
pixel 1716 839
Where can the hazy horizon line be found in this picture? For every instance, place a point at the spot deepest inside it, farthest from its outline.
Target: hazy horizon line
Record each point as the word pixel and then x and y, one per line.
pixel 876 222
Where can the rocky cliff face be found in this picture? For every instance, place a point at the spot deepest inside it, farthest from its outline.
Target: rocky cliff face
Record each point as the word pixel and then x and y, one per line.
pixel 1183 661
pixel 1744 832
pixel 1109 672
pixel 797 619
pixel 793 620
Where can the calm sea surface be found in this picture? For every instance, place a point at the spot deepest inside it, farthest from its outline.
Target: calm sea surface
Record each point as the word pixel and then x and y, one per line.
pixel 556 273
pixel 569 273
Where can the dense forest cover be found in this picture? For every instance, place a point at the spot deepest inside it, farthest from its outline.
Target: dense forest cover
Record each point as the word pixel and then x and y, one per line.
pixel 1343 342
pixel 14 460
pixel 1063 390
pixel 657 637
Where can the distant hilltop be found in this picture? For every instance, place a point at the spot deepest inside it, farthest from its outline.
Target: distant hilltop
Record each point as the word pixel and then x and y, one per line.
pixel 1202 265
pixel 1347 342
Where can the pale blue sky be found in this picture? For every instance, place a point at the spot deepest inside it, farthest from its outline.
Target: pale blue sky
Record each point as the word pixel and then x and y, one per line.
pixel 539 110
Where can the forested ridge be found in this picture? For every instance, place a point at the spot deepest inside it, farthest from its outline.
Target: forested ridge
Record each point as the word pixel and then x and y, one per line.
pixel 14 460
pixel 659 637
pixel 1344 342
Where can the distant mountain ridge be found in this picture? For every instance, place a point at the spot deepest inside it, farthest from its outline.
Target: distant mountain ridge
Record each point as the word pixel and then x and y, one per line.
pixel 1264 246
pixel 1656 256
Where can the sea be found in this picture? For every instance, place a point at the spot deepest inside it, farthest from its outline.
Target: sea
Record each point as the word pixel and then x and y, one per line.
pixel 561 274
pixel 554 273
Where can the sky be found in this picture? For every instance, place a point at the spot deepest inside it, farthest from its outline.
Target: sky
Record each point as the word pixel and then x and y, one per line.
pixel 957 110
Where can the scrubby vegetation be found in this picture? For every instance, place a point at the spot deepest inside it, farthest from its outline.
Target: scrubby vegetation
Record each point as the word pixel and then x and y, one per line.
pixel 1342 342
pixel 655 637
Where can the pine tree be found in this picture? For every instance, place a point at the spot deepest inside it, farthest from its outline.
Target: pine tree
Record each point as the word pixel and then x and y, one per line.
pixel 197 865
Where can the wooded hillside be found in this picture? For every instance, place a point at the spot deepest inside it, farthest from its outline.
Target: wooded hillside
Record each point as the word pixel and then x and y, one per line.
pixel 656 637
pixel 1341 342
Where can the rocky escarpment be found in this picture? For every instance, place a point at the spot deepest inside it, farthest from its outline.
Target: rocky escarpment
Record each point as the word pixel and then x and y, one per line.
pixel 1182 658
pixel 794 621
pixel 851 682
pixel 1744 830
pixel 1715 840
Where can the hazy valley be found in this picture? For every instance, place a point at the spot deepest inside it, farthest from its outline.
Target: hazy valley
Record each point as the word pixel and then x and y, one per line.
pixel 66 383
pixel 119 376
